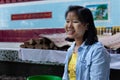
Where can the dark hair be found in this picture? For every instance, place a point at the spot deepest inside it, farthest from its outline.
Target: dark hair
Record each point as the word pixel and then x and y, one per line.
pixel 85 16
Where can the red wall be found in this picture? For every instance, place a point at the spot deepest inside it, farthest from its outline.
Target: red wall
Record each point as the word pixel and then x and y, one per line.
pixel 24 35
pixel 15 1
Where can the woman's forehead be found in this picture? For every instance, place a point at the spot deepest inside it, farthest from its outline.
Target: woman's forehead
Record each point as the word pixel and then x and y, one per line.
pixel 72 15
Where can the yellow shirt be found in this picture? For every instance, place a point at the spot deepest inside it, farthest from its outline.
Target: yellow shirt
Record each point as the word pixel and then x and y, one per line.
pixel 72 67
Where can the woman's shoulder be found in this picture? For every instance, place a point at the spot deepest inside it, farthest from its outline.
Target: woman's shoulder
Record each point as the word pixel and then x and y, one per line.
pixel 97 45
pixel 99 49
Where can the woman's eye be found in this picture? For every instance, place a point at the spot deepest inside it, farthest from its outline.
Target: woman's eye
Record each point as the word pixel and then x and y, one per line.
pixel 67 21
pixel 76 21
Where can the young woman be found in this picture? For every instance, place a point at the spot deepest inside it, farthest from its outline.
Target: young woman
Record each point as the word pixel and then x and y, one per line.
pixel 86 59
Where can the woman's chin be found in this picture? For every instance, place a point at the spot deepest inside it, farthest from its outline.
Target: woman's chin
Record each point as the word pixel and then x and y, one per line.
pixel 70 37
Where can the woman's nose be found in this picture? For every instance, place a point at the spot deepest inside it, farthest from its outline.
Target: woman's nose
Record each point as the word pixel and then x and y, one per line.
pixel 70 24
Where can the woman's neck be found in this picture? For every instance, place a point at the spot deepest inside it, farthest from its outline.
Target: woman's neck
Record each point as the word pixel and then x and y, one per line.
pixel 78 42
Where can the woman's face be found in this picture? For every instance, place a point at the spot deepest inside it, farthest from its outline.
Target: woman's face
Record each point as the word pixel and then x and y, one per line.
pixel 73 27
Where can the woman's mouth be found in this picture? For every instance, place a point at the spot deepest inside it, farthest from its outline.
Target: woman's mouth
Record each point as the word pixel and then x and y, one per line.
pixel 70 32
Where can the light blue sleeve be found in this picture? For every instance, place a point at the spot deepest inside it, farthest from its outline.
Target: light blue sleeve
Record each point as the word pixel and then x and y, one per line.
pixel 100 67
